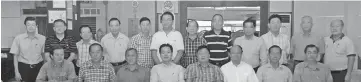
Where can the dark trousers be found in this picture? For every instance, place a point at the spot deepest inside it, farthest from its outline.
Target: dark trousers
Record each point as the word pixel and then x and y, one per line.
pixel 339 76
pixel 255 69
pixel 29 72
pixel 117 65
pixel 219 63
pixel 76 67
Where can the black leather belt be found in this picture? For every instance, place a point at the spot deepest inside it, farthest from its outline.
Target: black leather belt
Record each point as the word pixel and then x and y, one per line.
pixel 119 63
pixel 299 60
pixel 338 71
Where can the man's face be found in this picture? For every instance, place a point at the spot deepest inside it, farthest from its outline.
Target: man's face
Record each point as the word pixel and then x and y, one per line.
pixel 100 34
pixel 192 27
pixel 96 53
pixel 166 54
pixel 58 55
pixel 336 27
pixel 275 55
pixel 312 53
pixel 249 29
pixel 203 55
pixel 235 53
pixel 275 25
pixel 306 24
pixel 144 26
pixel 31 26
pixel 114 26
pixel 85 33
pixel 217 22
pixel 59 27
pixel 167 21
pixel 131 57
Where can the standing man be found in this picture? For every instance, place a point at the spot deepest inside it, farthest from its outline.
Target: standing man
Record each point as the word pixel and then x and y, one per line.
pixel 28 49
pixel 141 42
pixel 115 44
pixel 132 72
pixel 83 46
pixel 254 53
pixel 218 41
pixel 311 70
pixel 97 69
pixel 299 41
pixel 191 42
pixel 57 70
pixel 339 53
pixel 203 71
pixel 274 71
pixel 273 37
pixel 236 70
pixel 64 40
pixel 167 36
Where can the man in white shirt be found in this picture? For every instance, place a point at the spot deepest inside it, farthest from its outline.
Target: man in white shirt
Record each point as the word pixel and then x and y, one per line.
pixel 237 70
pixel 274 37
pixel 339 53
pixel 115 44
pixel 167 36
pixel 83 46
pixel 254 50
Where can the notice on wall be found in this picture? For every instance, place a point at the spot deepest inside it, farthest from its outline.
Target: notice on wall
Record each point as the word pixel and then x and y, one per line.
pixel 56 14
pixel 70 25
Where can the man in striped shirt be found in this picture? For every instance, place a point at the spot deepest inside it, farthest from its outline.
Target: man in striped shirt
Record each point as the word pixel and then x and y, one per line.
pixel 97 69
pixel 203 71
pixel 83 46
pixel 274 37
pixel 218 41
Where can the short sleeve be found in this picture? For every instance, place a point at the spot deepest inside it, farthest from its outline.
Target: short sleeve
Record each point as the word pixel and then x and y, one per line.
pixel 153 44
pixel 42 73
pixel 350 47
pixel 219 74
pixel 71 71
pixel 237 41
pixel 181 74
pixel 189 72
pixel 15 47
pixel 179 43
pixel 260 74
pixel 154 74
pixel 297 73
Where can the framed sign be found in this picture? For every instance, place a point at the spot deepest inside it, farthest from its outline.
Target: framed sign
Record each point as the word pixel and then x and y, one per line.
pixel 56 14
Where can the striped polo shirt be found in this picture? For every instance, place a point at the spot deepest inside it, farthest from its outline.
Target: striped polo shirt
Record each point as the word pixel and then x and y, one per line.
pixel 218 44
pixel 68 43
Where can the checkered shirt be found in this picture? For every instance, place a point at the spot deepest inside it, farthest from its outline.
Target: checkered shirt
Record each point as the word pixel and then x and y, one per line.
pixel 190 49
pixel 142 44
pixel 90 73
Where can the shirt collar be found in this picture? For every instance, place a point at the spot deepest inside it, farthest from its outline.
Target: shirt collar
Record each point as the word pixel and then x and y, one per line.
pixel 90 42
pixel 252 38
pixel 165 65
pixel 127 67
pixel 198 36
pixel 279 34
pixel 55 65
pixel 118 37
pixel 314 68
pixel 142 36
pixel 200 65
pixel 270 66
pixel 36 36
pixel 342 35
pixel 222 31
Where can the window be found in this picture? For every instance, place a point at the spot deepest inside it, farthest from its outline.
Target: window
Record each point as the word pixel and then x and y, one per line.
pixel 229 25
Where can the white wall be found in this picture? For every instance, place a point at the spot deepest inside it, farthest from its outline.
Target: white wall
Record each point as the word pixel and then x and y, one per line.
pixel 280 6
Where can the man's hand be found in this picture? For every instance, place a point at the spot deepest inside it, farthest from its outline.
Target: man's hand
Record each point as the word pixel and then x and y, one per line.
pixel 18 76
pixel 348 78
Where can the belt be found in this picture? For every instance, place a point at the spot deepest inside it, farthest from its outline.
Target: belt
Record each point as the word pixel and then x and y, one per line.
pixel 31 65
pixel 338 71
pixel 118 63
pixel 298 60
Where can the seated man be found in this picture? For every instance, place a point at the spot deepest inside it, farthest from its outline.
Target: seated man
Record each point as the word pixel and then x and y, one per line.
pixel 167 71
pixel 131 71
pixel 311 70
pixel 57 70
pixel 203 71
pixel 274 71
pixel 97 69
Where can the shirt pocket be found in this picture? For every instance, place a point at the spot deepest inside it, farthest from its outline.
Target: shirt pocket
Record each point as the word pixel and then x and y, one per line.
pixel 340 49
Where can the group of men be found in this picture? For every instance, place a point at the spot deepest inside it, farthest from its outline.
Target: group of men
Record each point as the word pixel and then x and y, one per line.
pixel 208 57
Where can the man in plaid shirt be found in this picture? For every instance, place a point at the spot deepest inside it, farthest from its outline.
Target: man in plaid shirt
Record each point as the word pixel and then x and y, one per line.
pixel 191 42
pixel 141 42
